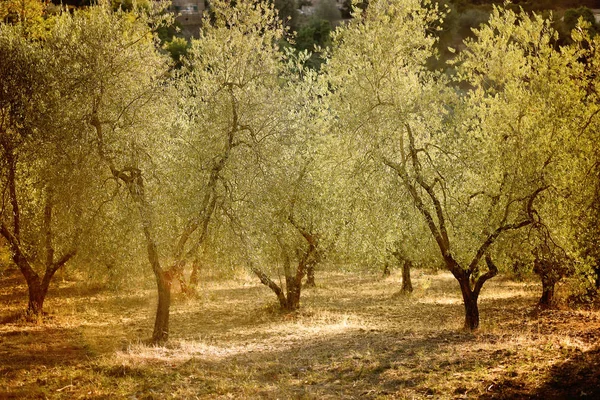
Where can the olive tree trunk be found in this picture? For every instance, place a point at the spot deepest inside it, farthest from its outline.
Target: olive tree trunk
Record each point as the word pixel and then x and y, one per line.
pixel 406 281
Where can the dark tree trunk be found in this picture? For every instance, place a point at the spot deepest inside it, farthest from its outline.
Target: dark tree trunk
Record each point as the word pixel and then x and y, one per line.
pixel 386 270
pixel 161 323
pixel 471 307
pixel 164 278
pixel 265 280
pixel 428 202
pixel 294 288
pixel 547 299
pixel 597 271
pixel 133 179
pixel 37 295
pixel 406 282
pixel 290 300
pixel 37 287
pixel 470 293
pixel 550 271
pixel 310 276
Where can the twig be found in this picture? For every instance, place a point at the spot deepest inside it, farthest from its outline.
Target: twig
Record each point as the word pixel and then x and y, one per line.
pixel 66 387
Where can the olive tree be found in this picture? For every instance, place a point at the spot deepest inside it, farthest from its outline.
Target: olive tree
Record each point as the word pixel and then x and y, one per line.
pixel 530 93
pixel 465 157
pixel 304 211
pixel 114 77
pixel 50 196
pixel 229 101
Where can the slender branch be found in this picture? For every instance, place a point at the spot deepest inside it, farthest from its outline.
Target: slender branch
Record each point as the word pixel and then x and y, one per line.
pixel 18 254
pixel 506 227
pixel 47 227
pixel 265 280
pixel 491 272
pixel 401 171
pixel 428 188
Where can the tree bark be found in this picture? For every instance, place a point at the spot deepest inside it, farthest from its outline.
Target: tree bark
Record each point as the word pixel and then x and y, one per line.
pixel 163 278
pixel 290 299
pixel 37 287
pixel 161 323
pixel 133 179
pixel 36 299
pixel 433 213
pixel 550 272
pixel 471 307
pixel 547 299
pixel 406 281
pixel 293 288
pixel 265 280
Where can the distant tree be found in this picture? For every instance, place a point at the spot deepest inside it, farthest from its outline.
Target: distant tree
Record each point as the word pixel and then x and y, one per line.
pixel 303 208
pixel 314 37
pixel 229 88
pixel 572 16
pixel 315 33
pixel 21 10
pixel 177 48
pixel 570 21
pixel 551 265
pixel 588 199
pixel 549 101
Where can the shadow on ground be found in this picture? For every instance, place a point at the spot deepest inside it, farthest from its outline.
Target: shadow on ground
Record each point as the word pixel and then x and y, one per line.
pixel 576 378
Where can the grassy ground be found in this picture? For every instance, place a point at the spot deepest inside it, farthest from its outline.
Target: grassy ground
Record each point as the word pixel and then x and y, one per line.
pixel 355 337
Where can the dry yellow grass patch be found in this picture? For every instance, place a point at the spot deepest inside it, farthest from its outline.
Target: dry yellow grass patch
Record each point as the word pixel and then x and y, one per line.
pixel 354 337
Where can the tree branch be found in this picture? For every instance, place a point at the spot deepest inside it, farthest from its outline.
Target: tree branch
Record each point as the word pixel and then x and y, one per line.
pixel 503 228
pixel 491 272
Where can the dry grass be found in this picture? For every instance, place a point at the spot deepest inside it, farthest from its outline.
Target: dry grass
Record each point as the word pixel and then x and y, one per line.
pixel 354 337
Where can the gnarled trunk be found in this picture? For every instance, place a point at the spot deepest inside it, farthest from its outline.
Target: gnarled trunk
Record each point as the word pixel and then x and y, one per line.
pixel 36 299
pixel 428 201
pixel 470 289
pixel 265 280
pixel 293 288
pixel 597 271
pixel 471 307
pixel 195 275
pixel 551 269
pixel 290 300
pixel 37 287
